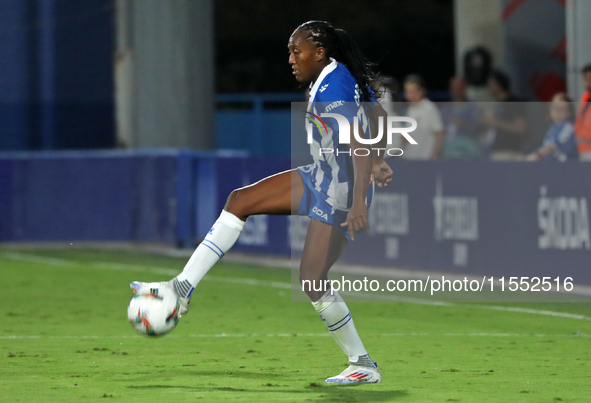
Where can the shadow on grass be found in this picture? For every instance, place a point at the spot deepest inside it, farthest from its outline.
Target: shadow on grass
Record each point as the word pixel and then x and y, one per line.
pixel 320 393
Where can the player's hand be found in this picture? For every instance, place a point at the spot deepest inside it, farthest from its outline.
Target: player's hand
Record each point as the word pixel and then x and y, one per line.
pixel 382 173
pixel 356 219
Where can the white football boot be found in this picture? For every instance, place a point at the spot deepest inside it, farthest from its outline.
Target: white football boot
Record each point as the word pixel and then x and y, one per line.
pixel 138 286
pixel 357 374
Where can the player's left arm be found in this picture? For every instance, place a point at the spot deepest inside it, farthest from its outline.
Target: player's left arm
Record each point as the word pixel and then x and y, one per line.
pixel 382 173
pixel 375 113
pixel 362 168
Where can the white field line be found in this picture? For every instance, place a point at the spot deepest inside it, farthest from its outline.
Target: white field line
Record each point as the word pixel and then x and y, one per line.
pixel 274 284
pixel 243 335
pixel 220 279
pixel 134 267
pixel 22 257
pixel 535 312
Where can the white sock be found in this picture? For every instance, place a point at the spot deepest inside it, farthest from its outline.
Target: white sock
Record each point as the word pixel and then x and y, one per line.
pixel 334 312
pixel 220 238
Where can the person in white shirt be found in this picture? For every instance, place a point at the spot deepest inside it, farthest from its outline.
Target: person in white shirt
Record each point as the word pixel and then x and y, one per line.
pixel 429 132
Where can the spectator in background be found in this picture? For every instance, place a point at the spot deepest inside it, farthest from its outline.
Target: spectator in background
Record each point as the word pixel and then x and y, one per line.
pixel 477 68
pixel 559 144
pixel 429 131
pixel 506 119
pixel 460 118
pixel 583 121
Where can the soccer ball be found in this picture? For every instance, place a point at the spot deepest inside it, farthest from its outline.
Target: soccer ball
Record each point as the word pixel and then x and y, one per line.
pixel 154 313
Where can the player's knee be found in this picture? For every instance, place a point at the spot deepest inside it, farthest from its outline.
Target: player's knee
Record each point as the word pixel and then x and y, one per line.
pixel 236 204
pixel 307 276
pixel 303 278
pixel 313 285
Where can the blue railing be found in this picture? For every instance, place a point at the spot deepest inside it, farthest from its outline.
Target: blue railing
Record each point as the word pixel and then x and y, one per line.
pixel 259 129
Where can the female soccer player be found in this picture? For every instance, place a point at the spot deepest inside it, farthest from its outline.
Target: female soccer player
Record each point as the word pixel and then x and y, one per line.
pixel 337 186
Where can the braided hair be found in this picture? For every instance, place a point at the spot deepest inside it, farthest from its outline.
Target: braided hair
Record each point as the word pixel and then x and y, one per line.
pixel 340 46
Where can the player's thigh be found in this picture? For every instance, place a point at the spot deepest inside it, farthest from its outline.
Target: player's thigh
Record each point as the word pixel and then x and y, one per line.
pixel 277 194
pixel 324 244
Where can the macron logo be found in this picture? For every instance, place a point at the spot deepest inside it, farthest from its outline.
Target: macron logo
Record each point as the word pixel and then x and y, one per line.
pixel 323 88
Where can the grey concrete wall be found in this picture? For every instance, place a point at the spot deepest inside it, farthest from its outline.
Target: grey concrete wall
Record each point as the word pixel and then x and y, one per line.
pixel 164 70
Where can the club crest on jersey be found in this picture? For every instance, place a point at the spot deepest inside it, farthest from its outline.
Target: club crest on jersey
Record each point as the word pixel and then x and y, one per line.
pixel 333 105
pixel 323 88
pixel 316 117
pixel 320 213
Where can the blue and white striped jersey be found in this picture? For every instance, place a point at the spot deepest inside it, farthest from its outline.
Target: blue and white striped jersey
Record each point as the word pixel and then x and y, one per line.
pixel 335 91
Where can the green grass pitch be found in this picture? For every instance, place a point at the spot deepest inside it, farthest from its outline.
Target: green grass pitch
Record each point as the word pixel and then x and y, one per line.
pixel 64 337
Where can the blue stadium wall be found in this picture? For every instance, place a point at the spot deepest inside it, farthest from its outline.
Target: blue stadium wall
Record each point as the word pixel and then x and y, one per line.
pixel 526 219
pixel 57 74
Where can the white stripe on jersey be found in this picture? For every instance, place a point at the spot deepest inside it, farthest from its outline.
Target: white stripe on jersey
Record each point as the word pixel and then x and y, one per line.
pixel 323 74
pixel 326 142
pixel 336 190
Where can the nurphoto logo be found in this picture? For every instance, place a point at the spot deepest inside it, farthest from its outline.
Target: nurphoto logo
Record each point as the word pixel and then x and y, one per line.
pixel 393 125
